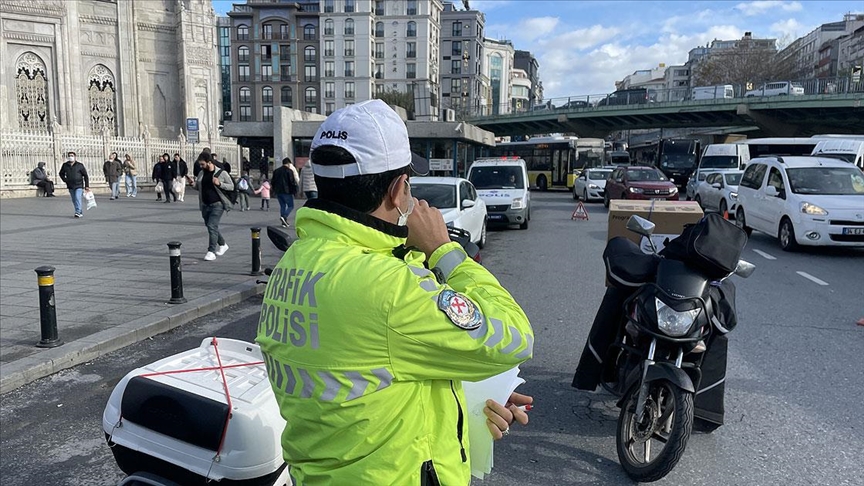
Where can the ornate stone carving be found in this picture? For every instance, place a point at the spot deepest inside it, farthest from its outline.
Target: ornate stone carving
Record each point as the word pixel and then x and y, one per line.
pixel 145 27
pixel 43 7
pixel 104 55
pixel 96 19
pixel 31 92
pixel 201 56
pixel 103 100
pixel 44 39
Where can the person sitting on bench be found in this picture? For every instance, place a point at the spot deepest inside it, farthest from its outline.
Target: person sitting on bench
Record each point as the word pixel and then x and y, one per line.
pixel 39 178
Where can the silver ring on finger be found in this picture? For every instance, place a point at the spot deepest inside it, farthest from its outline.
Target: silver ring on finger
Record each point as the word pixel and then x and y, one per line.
pixel 506 431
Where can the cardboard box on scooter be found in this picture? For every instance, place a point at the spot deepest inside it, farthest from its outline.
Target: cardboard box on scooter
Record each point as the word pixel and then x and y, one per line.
pixel 668 216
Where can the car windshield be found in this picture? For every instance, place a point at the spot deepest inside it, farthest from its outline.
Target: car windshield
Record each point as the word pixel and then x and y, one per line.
pixel 645 175
pixel 438 195
pixel 498 177
pixel 719 162
pixel 844 157
pixel 620 160
pixel 732 179
pixel 827 180
pixel 599 175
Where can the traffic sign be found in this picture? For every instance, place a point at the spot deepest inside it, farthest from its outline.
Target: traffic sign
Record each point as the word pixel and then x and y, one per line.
pixel 192 130
pixel 580 212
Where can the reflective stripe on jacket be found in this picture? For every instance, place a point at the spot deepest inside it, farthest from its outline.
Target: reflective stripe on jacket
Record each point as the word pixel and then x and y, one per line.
pixel 366 368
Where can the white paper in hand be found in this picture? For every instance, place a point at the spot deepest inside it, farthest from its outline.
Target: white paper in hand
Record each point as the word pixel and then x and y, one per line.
pixel 498 388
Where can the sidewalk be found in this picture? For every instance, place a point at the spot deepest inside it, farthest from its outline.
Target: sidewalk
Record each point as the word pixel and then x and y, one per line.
pixel 112 278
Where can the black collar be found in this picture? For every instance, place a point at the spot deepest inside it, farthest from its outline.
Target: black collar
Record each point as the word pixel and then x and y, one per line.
pixel 362 218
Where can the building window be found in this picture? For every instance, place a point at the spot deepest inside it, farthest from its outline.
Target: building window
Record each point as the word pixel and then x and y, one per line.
pixel 329 89
pixel 266 72
pixel 309 54
pixel 455 86
pixel 457 29
pixel 328 27
pixel 102 98
pixel 329 69
pixel 267 94
pixel 245 113
pixel 349 48
pixel 349 27
pixel 328 6
pixel 268 31
pixel 379 71
pixel 379 50
pixel 245 95
pixel 328 48
pixel 243 73
pixel 349 6
pixel 411 50
pixel 411 71
pixel 379 89
pixel 267 113
pixel 242 32
pixel 266 52
pixel 379 7
pixel 456 66
pixel 349 90
pixel 285 72
pixel 379 29
pixel 308 32
pixel 311 96
pixel 310 74
pixel 243 54
pixel 329 108
pixel 284 31
pixel 457 48
pixel 286 96
pixel 349 69
pixel 412 29
pixel 412 7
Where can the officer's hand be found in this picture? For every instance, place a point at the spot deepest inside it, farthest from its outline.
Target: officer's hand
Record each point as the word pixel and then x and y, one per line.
pixel 426 228
pixel 500 417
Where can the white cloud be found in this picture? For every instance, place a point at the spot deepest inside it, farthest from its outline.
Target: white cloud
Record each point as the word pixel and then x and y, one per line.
pixel 789 27
pixel 584 38
pixel 760 7
pixel 538 27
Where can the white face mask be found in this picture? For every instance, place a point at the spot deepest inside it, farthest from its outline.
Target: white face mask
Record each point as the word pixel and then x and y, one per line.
pixel 403 217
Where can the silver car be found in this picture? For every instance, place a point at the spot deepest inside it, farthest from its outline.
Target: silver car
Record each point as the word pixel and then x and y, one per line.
pixel 591 184
pixel 719 191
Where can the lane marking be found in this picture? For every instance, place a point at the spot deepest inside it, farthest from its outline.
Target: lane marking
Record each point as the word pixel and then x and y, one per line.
pixel 764 255
pixel 812 278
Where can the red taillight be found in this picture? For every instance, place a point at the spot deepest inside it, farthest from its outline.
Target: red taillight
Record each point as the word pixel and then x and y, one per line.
pixel 478 258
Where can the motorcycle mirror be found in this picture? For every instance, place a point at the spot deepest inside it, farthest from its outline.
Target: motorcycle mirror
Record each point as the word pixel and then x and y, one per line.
pixel 280 237
pixel 744 269
pixel 640 225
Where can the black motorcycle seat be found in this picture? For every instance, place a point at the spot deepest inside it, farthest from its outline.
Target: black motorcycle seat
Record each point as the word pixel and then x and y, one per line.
pixel 626 265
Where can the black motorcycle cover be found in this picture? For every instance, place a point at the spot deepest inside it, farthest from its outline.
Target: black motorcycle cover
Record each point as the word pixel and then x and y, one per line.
pixel 712 245
pixel 626 265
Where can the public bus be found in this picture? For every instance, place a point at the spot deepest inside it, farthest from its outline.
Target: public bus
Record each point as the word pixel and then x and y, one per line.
pixel 677 158
pixel 554 162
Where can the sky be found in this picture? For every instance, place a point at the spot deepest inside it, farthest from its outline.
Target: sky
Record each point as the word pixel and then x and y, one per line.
pixel 583 47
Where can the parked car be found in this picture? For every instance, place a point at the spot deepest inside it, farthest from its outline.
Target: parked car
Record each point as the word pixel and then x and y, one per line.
pixel 776 88
pixel 632 96
pixel 815 201
pixel 574 104
pixel 458 202
pixel 719 191
pixel 591 184
pixel 638 182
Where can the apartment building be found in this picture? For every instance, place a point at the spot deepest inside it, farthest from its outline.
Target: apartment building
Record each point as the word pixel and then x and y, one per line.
pixel 850 56
pixel 800 59
pixel 520 91
pixel 223 31
pixel 525 61
pixel 346 56
pixel 464 87
pixel 499 59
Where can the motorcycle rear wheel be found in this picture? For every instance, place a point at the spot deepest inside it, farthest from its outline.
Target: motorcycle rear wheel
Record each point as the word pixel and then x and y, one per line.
pixel 667 421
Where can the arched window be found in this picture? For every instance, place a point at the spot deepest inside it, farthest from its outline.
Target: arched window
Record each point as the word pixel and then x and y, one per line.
pixel 412 29
pixel 379 29
pixel 311 95
pixel 102 96
pixel 31 91
pixel 308 32
pixel 245 95
pixel 328 27
pixel 349 27
pixel 287 96
pixel 243 54
pixel 309 54
pixel 242 32
pixel 267 94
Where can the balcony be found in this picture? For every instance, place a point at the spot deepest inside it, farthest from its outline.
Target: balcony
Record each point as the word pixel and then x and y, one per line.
pixel 285 77
pixel 327 53
pixel 349 52
pixel 379 75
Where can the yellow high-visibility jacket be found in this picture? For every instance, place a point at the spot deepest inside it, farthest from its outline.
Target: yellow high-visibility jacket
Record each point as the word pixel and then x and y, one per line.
pixel 366 351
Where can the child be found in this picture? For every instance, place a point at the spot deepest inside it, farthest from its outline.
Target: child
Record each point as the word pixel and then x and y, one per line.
pixel 244 187
pixel 264 190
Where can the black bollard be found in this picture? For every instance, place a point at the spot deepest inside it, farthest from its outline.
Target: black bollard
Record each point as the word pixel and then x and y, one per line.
pixel 47 311
pixel 176 274
pixel 256 251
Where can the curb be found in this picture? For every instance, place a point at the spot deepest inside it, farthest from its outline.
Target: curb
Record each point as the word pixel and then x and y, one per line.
pixel 50 361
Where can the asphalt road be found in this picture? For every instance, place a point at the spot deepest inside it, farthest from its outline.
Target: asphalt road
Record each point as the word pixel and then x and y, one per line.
pixel 795 388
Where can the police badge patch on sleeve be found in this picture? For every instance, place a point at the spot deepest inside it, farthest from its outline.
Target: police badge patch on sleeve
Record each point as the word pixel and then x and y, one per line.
pixel 460 310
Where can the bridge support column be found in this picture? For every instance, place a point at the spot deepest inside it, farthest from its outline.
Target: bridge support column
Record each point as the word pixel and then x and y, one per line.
pixel 771 125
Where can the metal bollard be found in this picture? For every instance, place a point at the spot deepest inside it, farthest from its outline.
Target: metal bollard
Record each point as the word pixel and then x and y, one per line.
pixel 256 252
pixel 47 311
pixel 176 274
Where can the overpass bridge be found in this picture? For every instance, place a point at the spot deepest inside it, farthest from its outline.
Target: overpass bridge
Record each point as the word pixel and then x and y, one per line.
pixel 773 116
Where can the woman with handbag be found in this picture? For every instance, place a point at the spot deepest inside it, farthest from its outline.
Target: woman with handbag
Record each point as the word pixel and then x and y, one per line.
pixel 131 172
pixel 157 178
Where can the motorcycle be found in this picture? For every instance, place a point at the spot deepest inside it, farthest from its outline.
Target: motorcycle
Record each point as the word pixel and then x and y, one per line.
pixel 658 343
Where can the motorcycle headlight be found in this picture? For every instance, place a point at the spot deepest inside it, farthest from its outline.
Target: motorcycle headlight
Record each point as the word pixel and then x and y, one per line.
pixel 808 208
pixel 517 203
pixel 636 190
pixel 672 322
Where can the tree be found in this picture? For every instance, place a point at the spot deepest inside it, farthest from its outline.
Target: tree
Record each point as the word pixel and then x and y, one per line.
pixel 398 98
pixel 738 65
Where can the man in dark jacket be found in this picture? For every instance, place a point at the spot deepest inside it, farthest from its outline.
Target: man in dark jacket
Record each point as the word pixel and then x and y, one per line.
pixel 74 174
pixel 285 184
pixel 112 168
pixel 168 173
pixel 39 178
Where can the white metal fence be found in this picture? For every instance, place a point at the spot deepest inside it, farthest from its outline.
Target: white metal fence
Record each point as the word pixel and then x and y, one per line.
pixel 20 151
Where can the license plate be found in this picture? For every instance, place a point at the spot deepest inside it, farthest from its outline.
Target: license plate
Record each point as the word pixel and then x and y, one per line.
pixel 496 217
pixel 853 231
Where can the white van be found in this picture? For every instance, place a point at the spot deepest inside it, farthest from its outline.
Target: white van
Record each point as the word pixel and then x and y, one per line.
pixel 502 183
pixel 720 91
pixel 851 151
pixel 776 88
pixel 715 158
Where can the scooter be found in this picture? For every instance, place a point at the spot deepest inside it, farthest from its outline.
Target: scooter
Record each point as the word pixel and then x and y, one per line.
pixel 658 342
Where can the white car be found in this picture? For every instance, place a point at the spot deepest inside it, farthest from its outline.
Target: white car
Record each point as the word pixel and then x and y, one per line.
pixel 814 201
pixel 719 191
pixel 776 88
pixel 591 184
pixel 457 200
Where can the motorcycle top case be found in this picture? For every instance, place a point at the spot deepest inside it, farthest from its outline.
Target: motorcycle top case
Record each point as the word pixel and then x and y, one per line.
pixel 712 245
pixel 179 418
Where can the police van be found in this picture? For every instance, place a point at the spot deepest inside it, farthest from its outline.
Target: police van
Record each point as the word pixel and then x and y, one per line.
pixel 502 183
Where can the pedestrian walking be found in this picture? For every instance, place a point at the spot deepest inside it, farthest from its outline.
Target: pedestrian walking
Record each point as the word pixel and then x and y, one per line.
pixel 74 174
pixel 264 190
pixel 39 178
pixel 244 188
pixel 169 173
pixel 113 169
pixel 130 170
pixel 380 345
pixel 285 186
pixel 182 173
pixel 212 182
pixel 264 168
pixel 307 181
pixel 157 178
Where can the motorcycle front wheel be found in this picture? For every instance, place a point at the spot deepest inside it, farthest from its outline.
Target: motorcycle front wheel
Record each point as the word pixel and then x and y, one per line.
pixel 651 445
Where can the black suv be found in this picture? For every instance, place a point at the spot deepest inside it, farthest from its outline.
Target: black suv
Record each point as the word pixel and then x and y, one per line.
pixel 632 96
